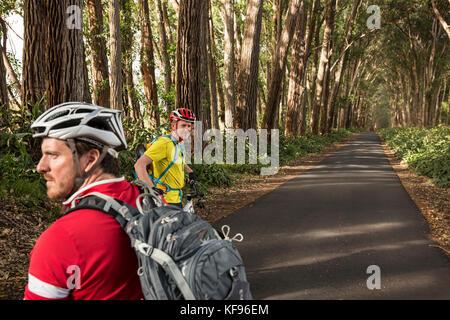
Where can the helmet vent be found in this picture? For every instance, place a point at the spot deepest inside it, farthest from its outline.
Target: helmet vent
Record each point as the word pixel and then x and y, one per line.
pixel 67 124
pixel 58 115
pixel 83 111
pixel 98 124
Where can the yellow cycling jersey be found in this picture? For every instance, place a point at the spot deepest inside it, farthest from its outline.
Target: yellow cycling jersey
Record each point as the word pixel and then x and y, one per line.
pixel 162 152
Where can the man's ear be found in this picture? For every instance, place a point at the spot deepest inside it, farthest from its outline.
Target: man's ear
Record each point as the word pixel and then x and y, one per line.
pixel 89 159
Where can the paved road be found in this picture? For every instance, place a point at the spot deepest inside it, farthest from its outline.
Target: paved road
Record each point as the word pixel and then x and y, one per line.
pixel 315 236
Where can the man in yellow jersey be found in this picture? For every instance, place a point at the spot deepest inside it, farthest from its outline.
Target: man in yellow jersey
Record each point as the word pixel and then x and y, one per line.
pixel 168 158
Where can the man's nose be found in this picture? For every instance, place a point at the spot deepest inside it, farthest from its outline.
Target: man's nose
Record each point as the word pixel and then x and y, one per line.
pixel 41 166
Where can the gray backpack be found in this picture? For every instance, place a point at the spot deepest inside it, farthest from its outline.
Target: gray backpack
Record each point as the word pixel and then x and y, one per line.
pixel 180 255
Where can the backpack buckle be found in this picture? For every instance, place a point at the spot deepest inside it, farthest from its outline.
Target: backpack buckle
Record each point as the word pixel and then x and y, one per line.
pixel 144 248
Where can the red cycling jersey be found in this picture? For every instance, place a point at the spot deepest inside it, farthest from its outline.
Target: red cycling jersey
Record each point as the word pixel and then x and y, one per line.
pixel 86 254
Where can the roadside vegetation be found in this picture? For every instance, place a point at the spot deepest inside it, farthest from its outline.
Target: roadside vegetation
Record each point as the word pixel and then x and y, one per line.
pixel 425 150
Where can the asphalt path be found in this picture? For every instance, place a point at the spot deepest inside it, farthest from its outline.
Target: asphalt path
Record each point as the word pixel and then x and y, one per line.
pixel 345 229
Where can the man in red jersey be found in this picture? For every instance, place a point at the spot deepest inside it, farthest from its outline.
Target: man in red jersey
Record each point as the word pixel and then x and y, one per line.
pixel 84 254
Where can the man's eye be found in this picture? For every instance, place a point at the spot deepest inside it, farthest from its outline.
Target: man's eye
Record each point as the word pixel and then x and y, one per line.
pixel 52 155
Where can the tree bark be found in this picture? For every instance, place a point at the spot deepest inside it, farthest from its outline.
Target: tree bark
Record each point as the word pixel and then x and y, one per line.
pixel 115 55
pixel 7 65
pixel 325 95
pixel 314 67
pixel 148 62
pixel 4 99
pixel 341 65
pixel 99 60
pixel 279 64
pixel 324 57
pixel 212 71
pixel 34 53
pixel 130 102
pixel 247 84
pixel 205 99
pixel 187 78
pixel 228 18
pixel 65 57
pixel 296 75
pixel 165 59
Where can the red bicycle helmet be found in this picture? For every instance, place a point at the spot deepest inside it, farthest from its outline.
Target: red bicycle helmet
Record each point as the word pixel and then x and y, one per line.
pixel 182 114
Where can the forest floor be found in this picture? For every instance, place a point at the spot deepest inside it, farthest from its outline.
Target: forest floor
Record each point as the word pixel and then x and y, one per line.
pixel 20 227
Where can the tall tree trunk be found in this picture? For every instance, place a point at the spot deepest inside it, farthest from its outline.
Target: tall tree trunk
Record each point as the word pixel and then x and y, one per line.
pixel 212 70
pixel 329 25
pixel 4 99
pixel 296 75
pixel 349 110
pixel 129 98
pixel 205 99
pixel 228 18
pixel 341 65
pixel 170 39
pixel 314 67
pixel 65 63
pixel 97 45
pixel 148 62
pixel 34 53
pixel 406 100
pixel 313 19
pixel 430 86
pixel 187 78
pixel 9 69
pixel 279 64
pixel 165 59
pixel 247 84
pixel 115 56
pixel 437 118
pixel 325 95
pixel 274 34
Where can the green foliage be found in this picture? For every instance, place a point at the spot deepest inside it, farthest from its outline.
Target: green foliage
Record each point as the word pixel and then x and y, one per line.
pixel 18 155
pixel 18 176
pixel 136 134
pixel 425 150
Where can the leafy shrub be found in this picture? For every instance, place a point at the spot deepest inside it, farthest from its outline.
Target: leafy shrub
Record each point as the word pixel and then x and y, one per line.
pixel 18 155
pixel 425 150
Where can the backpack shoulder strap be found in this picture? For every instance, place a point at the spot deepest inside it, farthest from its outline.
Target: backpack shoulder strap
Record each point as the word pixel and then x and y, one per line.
pixel 119 210
pixel 164 136
pixel 177 149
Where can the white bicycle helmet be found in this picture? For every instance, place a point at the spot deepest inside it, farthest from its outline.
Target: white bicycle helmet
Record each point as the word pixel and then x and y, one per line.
pixel 88 122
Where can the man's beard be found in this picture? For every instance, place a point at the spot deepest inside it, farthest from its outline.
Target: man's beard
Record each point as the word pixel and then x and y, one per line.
pixel 183 133
pixel 58 192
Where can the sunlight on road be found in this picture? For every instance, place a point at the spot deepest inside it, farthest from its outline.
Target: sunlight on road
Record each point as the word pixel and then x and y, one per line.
pixel 320 258
pixel 396 285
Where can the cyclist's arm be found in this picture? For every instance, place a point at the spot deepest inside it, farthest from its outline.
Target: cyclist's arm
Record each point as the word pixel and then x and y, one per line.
pixel 187 168
pixel 141 169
